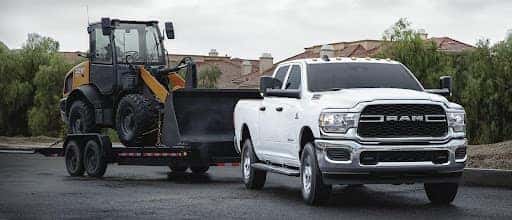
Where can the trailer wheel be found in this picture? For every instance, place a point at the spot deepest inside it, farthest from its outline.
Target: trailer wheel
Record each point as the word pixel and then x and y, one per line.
pixel 74 159
pixel 199 169
pixel 137 120
pixel 253 178
pixel 94 162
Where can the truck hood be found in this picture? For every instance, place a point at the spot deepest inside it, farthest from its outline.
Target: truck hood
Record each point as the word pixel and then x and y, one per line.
pixel 348 98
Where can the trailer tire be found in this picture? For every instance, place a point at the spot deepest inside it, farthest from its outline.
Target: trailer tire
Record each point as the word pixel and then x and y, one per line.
pixel 314 191
pixel 199 169
pixel 94 161
pixel 74 159
pixel 253 178
pixel 81 118
pixel 137 120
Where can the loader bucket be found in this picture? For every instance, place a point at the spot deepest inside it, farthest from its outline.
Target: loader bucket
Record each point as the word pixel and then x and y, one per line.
pixel 204 117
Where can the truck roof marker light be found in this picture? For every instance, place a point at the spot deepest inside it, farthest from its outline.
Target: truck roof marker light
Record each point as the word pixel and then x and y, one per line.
pixel 314 59
pixel 388 59
pixel 368 58
pixel 353 58
pixel 338 58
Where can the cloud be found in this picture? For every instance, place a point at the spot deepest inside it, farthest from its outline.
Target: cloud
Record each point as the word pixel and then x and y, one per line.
pixel 244 28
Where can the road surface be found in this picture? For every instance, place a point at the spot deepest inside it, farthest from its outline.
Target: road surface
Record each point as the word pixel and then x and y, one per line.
pixel 37 187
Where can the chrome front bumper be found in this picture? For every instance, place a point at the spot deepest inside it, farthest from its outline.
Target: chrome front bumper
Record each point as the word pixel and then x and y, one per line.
pixel 353 172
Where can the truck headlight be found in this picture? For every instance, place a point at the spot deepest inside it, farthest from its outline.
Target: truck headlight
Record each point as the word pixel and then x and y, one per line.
pixel 456 120
pixel 336 122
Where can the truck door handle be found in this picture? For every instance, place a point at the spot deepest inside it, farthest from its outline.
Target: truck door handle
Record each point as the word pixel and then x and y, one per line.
pixel 262 108
pixel 279 109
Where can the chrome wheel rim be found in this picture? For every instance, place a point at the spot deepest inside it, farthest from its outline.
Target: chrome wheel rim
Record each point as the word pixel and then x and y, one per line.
pixel 306 176
pixel 247 167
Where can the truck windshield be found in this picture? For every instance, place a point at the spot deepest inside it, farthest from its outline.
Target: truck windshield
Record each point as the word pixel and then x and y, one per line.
pixel 334 76
pixel 140 41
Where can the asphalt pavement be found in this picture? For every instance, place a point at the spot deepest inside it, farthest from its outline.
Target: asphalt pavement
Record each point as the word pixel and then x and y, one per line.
pixel 37 187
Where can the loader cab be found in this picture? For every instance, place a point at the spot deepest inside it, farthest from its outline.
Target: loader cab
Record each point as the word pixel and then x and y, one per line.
pixel 116 46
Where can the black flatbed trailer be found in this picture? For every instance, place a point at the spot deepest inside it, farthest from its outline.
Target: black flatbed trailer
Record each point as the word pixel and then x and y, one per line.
pixel 202 120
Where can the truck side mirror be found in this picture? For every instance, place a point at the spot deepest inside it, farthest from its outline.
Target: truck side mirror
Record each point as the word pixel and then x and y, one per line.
pixel 106 26
pixel 268 82
pixel 169 30
pixel 445 82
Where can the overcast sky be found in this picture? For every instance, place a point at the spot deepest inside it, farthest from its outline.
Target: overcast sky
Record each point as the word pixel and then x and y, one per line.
pixel 247 28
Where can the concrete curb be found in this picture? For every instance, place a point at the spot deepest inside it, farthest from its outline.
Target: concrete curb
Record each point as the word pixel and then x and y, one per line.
pixel 487 177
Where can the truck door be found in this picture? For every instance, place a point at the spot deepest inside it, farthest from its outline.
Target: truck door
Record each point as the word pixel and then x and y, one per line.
pixel 288 118
pixel 102 73
pixel 270 128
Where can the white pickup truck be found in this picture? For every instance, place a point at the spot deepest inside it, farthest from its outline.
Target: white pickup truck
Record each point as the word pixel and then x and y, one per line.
pixel 351 121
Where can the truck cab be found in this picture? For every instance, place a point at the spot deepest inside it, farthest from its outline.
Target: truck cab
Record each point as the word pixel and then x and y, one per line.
pixel 351 121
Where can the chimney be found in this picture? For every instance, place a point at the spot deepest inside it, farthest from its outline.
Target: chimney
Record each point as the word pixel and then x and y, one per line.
pixel 266 62
pixel 423 34
pixel 213 53
pixel 327 49
pixel 246 67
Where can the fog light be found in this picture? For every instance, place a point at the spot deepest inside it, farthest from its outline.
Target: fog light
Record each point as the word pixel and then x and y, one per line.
pixel 460 153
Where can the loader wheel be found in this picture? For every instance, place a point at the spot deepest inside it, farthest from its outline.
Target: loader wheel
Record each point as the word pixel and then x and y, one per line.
pixel 81 118
pixel 94 162
pixel 137 120
pixel 74 159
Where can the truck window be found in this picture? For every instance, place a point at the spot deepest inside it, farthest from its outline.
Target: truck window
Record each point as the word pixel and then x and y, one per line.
pixel 331 76
pixel 293 81
pixel 101 47
pixel 280 74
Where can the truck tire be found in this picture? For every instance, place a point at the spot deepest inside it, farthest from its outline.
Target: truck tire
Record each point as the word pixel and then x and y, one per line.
pixel 441 193
pixel 314 191
pixel 94 161
pixel 137 120
pixel 177 168
pixel 199 169
pixel 74 159
pixel 81 118
pixel 253 178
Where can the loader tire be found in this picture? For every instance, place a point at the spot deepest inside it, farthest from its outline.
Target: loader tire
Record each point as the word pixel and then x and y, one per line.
pixel 81 118
pixel 137 120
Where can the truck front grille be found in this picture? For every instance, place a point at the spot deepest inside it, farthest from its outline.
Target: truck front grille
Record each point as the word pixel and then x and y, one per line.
pixel 402 120
pixel 375 157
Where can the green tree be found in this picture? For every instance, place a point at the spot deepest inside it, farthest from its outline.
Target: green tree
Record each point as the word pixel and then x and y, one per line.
pixel 17 71
pixel 44 117
pixel 208 77
pixel 420 56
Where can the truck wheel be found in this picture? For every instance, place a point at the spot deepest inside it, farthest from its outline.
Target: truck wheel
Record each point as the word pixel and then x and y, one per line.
pixel 441 193
pixel 178 169
pixel 94 162
pixel 314 191
pixel 253 178
pixel 81 118
pixel 137 120
pixel 199 169
pixel 73 157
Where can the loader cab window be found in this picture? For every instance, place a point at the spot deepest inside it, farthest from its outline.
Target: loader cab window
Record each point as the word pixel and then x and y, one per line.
pixel 101 47
pixel 140 42
pixel 293 81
